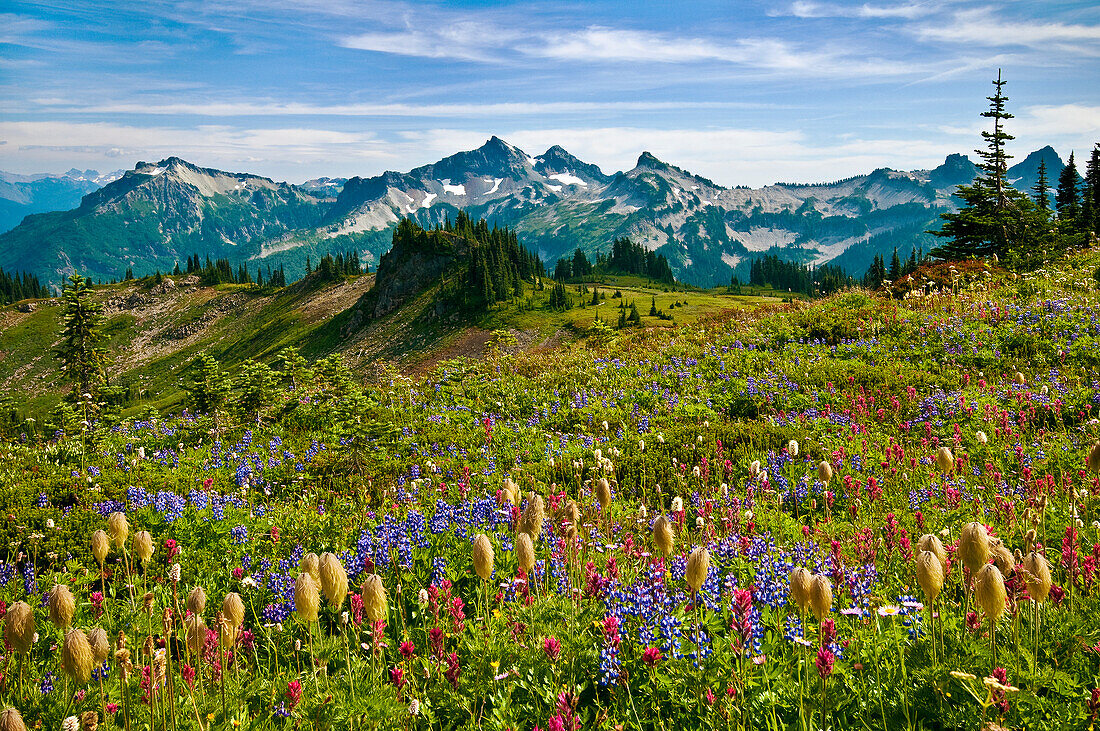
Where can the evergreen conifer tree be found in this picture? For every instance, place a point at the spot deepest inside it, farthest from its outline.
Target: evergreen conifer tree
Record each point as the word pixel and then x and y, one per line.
pixel 82 351
pixel 994 218
pixel 1068 198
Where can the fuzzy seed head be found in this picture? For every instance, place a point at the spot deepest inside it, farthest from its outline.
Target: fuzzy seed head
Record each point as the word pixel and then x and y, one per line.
pixel 511 491
pixel 196 633
pixel 311 564
pixel 143 546
pixel 1093 460
pixel 100 546
pixel 100 645
pixel 10 720
pixel 118 528
pixel 569 518
pixel 19 627
pixel 932 543
pixel 483 556
pixel 821 596
pixel 196 601
pixel 62 606
pixel 306 598
pixel 989 591
pixel 800 580
pixel 698 566
pixel 974 548
pixel 76 656
pixel 525 552
pixel 89 721
pixel 530 522
pixel 1020 379
pixel 334 580
pixel 233 608
pixel 663 536
pixel 945 460
pixel 929 575
pixel 603 492
pixel 374 598
pixel 981 437
pixel 1004 559
pixel 1036 572
pixel 825 472
pixel 227 632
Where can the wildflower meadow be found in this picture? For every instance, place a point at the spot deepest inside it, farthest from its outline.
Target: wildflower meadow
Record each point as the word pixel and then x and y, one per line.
pixel 875 510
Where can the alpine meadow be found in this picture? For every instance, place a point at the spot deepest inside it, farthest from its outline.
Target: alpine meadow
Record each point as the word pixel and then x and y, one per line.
pixel 509 442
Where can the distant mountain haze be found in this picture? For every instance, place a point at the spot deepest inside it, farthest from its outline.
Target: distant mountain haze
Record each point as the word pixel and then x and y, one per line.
pixel 159 213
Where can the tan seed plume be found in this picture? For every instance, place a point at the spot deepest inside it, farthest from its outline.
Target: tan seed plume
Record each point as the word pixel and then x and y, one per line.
pixel 334 580
pixel 1036 572
pixel 974 547
pixel 663 536
pixel 1093 459
pixel 989 591
pixel 933 544
pixel 62 606
pixel 800 580
pixel 196 634
pixel 118 528
pixel 10 720
pixel 533 516
pixel 196 601
pixel 76 656
pixel 101 646
pixel 19 627
pixel 311 564
pixel 483 556
pixel 945 460
pixel 603 492
pixel 930 575
pixel 143 546
pixel 698 566
pixel 821 596
pixel 306 598
pixel 374 598
pixel 101 545
pixel 525 552
pixel 825 472
pixel 233 609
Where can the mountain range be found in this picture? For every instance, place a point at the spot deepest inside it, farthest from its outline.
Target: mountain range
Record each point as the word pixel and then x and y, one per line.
pixel 22 195
pixel 160 213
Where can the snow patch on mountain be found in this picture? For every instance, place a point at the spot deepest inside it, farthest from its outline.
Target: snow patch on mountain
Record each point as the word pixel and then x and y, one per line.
pixel 427 202
pixel 762 239
pixel 568 179
pixel 454 189
pixel 496 185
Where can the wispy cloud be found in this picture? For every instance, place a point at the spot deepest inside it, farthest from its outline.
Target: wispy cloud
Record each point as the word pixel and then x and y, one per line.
pixel 807 9
pixel 291 109
pixel 463 41
pixel 982 26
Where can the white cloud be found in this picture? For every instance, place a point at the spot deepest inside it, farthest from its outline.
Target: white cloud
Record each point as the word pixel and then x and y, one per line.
pixel 907 11
pixel 280 109
pixel 981 26
pixel 465 41
pixel 55 145
pixel 595 44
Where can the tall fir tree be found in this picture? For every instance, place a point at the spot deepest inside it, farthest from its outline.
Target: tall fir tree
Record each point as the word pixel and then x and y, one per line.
pixel 1068 198
pixel 1092 190
pixel 82 352
pixel 994 218
pixel 1041 189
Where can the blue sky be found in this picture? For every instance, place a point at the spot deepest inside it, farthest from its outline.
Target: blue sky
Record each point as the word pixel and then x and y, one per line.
pixel 744 93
